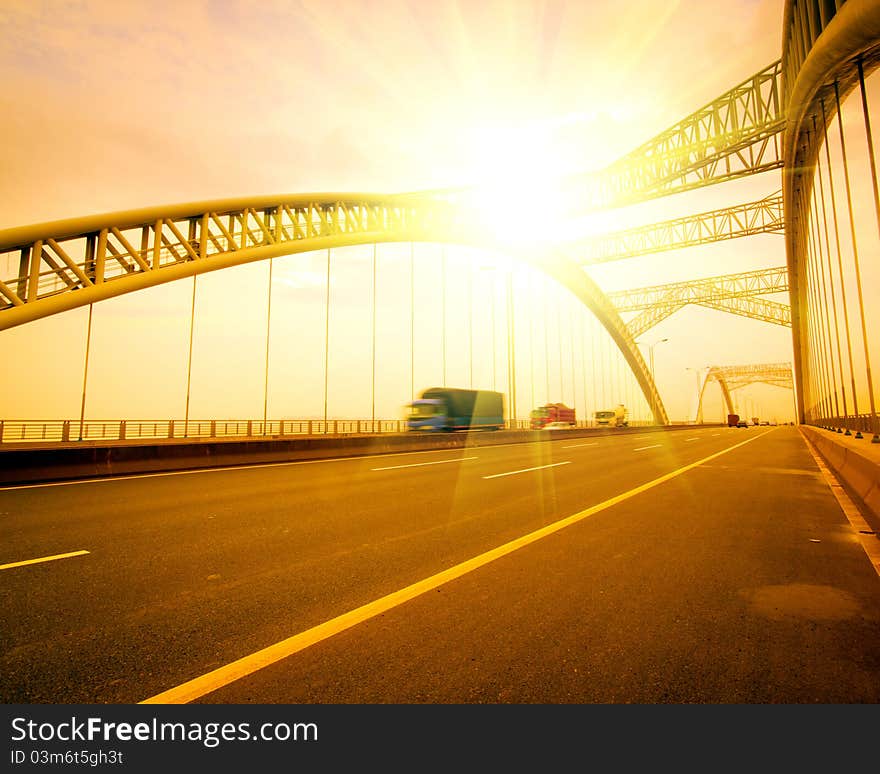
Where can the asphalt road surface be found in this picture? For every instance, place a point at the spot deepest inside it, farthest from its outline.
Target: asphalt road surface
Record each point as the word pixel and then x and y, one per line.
pixel 696 566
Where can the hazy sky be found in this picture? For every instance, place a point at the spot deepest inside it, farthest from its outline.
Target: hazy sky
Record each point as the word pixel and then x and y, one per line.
pixel 115 105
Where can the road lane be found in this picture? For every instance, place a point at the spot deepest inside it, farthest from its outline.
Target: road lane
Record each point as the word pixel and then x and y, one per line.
pixel 190 571
pixel 218 679
pixel 762 596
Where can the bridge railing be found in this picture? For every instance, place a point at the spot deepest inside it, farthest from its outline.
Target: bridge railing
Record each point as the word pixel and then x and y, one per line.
pixel 73 430
pixel 59 431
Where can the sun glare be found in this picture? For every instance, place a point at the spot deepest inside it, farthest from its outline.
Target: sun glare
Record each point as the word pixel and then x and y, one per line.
pixel 519 196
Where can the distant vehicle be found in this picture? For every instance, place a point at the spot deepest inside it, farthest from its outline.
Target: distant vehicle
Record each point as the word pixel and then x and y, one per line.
pixel 559 426
pixel 451 408
pixel 733 420
pixel 742 423
pixel 616 417
pixel 557 413
pixel 755 421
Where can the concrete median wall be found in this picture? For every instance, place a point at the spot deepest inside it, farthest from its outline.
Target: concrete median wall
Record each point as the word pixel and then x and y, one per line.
pixel 77 460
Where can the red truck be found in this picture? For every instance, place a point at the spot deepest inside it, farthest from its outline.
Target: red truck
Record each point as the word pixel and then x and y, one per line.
pixel 551 412
pixel 732 420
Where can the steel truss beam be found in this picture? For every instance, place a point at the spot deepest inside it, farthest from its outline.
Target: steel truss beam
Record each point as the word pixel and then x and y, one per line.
pixel 732 293
pixel 68 264
pixel 731 378
pixel 761 217
pixel 748 283
pixel 733 136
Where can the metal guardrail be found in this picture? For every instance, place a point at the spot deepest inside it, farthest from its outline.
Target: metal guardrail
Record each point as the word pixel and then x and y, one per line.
pixel 72 430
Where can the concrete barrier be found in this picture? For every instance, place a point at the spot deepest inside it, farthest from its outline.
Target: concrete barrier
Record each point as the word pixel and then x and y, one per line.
pixel 857 468
pixel 78 460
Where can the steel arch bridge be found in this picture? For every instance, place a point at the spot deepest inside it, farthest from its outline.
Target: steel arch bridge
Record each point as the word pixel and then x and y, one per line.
pixel 72 263
pixel 731 378
pixel 767 122
pixel 68 264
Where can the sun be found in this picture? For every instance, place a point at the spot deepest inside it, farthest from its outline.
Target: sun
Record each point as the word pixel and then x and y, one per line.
pixel 519 194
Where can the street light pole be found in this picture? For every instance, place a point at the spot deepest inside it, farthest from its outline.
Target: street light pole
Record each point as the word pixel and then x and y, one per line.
pixel 651 355
pixel 697 404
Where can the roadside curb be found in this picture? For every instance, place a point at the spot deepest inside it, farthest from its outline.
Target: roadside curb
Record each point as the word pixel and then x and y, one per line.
pixel 858 469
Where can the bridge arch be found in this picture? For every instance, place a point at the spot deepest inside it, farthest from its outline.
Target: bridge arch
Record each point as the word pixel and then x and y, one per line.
pixel 72 263
pixel 826 48
pixel 730 378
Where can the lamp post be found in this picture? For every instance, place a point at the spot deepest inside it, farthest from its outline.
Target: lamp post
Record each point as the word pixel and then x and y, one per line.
pixel 651 354
pixel 697 405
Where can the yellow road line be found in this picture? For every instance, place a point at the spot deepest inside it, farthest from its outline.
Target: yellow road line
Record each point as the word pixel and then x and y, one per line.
pixel 42 559
pixel 222 676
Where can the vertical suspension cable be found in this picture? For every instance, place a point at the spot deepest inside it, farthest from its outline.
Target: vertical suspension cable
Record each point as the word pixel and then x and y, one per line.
pixel 492 314
pixel 583 327
pixel 513 351
pixel 593 366
pixel 858 275
pixel 373 346
pixel 814 251
pixel 813 310
pixel 840 268
pixel 192 320
pixel 812 338
pixel 827 349
pixel 511 356
pixel 559 343
pixel 546 341
pixel 412 320
pixel 532 399
pixel 470 303
pixel 845 416
pixel 874 422
pixel 443 303
pixel 326 339
pixel 266 371
pixel 571 342
pixel 608 375
pixel 82 405
pixel 621 382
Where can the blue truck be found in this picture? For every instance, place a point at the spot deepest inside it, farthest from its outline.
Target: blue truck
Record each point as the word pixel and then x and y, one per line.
pixel 452 408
